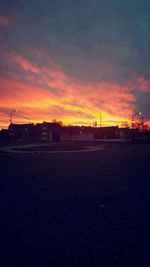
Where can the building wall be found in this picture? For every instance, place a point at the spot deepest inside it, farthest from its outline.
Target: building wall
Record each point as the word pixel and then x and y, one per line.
pixel 22 132
pixel 46 135
pixel 106 133
pixel 76 137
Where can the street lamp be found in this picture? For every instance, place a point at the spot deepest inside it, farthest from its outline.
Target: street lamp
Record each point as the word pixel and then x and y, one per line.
pixel 142 118
pixel 11 114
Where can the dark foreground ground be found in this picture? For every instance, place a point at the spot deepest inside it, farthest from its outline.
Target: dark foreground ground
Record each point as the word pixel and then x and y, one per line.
pixel 76 209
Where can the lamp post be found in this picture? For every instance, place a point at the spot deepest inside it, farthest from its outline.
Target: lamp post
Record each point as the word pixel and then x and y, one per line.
pixel 142 118
pixel 11 114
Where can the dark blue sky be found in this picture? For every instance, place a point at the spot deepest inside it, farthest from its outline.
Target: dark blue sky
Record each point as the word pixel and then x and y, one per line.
pixel 94 43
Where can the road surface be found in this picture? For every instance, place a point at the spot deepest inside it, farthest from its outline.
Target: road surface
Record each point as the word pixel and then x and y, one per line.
pixel 76 209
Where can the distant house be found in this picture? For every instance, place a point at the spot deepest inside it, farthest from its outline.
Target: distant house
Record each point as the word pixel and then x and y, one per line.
pixel 54 132
pixel 48 131
pixel 125 133
pixel 76 133
pixel 84 133
pixel 111 132
pixel 4 135
pixel 22 132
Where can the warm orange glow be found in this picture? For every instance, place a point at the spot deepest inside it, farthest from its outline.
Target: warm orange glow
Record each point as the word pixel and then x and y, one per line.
pixel 47 93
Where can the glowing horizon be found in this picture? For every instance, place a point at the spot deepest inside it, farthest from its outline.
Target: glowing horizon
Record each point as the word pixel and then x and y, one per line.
pixel 58 96
pixel 61 69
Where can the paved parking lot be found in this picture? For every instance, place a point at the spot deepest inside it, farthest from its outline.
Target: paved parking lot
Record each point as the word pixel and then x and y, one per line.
pixel 76 209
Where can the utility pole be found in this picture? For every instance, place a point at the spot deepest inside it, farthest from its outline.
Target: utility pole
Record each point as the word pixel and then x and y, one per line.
pixel 11 115
pixel 100 119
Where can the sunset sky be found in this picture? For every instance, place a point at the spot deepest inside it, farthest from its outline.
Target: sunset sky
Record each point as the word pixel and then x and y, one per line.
pixel 74 60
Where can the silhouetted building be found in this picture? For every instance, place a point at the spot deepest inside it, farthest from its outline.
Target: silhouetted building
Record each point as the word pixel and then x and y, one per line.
pixel 4 135
pixel 48 131
pixel 125 133
pixel 111 132
pixel 76 133
pixel 22 132
pixel 53 132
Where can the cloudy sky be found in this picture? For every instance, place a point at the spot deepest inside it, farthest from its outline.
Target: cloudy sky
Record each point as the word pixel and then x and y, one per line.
pixel 74 60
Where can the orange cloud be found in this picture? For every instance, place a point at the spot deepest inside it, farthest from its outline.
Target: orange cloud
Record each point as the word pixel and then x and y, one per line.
pixel 24 63
pixel 54 94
